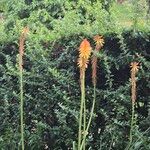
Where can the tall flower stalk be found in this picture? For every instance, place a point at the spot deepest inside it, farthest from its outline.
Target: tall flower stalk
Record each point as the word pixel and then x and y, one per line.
pixel 21 53
pixel 99 41
pixel 84 54
pixel 134 69
pixel 99 44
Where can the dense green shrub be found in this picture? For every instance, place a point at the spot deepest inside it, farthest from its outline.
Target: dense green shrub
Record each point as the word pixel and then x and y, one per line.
pixel 51 76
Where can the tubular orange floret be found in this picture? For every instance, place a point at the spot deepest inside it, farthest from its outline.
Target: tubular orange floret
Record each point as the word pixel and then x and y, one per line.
pixel 134 69
pixel 84 54
pixel 99 44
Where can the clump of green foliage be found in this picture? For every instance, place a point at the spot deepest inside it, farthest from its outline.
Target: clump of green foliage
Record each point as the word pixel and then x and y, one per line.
pixel 51 77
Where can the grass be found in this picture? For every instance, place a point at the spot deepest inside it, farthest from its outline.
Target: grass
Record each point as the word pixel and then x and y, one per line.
pixel 124 14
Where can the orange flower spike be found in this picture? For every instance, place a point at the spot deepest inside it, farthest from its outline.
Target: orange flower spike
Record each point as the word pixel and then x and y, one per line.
pixel 21 45
pixel 99 44
pixel 84 53
pixel 22 39
pixel 134 67
pixel 85 49
pixel 99 41
pixel 25 30
pixel 94 69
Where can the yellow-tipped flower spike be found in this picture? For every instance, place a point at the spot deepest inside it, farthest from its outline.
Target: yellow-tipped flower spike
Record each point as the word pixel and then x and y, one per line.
pixel 134 67
pixel 85 49
pixel 25 30
pixel 99 40
pixel 84 53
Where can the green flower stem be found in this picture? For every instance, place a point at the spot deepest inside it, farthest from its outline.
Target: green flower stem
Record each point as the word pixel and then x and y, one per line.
pixel 21 103
pixel 84 121
pixel 81 107
pixel 132 125
pixel 91 115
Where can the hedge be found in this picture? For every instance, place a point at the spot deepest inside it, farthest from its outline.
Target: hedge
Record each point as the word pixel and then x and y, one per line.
pixel 51 76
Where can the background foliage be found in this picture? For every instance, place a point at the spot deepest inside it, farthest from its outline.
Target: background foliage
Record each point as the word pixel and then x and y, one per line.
pixel 51 76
